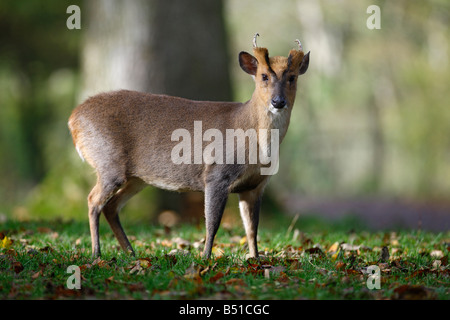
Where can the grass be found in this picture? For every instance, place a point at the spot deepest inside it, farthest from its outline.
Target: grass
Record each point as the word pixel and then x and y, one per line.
pixel 325 261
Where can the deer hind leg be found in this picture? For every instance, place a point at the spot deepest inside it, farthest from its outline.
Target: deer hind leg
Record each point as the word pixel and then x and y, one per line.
pixel 115 204
pixel 105 188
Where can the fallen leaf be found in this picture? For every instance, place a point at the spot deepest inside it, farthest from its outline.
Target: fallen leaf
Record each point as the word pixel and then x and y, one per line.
pixel 192 271
pixel 295 264
pixel 199 244
pixel 351 271
pixel 334 247
pixel 137 268
pixel 412 292
pixel 63 291
pixel 235 281
pixel 97 262
pixel 44 230
pixel 109 280
pixel 217 252
pixel 6 242
pixel 350 247
pixel 436 264
pixel 384 267
pixel 314 250
pixel 36 275
pixel 219 275
pixel 181 243
pixel 145 262
pixel 54 235
pixel 417 274
pixel 437 254
pixel 133 287
pixel 17 266
pixel 181 252
pixel 335 255
pixel 11 252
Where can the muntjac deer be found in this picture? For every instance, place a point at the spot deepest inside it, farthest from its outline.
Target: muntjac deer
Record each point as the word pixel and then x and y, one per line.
pixel 133 139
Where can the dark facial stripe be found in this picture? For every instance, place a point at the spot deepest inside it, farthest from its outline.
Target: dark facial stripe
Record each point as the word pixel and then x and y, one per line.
pixel 266 57
pixel 289 62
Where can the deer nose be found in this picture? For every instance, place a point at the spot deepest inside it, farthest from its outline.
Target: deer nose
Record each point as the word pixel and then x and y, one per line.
pixel 278 102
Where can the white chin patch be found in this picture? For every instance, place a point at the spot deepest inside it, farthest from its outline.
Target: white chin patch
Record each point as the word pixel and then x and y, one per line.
pixel 276 110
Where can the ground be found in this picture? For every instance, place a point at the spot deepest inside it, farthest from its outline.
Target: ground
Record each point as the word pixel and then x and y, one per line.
pixel 35 257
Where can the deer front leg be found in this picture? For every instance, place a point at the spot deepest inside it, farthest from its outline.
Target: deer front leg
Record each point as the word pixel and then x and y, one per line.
pixel 215 201
pixel 249 205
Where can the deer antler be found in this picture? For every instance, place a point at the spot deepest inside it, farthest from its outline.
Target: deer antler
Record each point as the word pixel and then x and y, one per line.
pixel 299 44
pixel 254 40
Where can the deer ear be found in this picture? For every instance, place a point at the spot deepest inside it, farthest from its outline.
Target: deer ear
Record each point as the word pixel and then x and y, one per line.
pixel 248 63
pixel 304 65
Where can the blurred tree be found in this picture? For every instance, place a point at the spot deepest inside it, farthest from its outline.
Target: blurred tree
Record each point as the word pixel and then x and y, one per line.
pixel 34 42
pixel 170 47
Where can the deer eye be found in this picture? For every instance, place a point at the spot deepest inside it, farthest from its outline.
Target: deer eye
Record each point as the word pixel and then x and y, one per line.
pixel 291 79
pixel 265 77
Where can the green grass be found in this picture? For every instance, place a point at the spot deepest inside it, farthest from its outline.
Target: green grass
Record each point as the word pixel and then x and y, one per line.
pixel 298 265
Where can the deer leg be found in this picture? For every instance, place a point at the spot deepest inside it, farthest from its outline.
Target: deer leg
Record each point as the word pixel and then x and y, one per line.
pixel 113 207
pixel 215 201
pixel 98 197
pixel 249 205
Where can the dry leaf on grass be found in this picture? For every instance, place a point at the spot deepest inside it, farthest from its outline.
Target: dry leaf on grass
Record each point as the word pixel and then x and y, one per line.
pixel 17 267
pixel 412 292
pixel 314 251
pixel 6 242
pixel 140 265
pixel 181 252
pixel 437 254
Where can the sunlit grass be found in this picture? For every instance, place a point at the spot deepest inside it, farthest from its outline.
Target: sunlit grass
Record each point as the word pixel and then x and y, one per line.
pixel 168 264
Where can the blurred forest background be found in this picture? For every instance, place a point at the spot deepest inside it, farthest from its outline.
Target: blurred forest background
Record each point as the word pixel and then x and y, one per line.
pixel 369 134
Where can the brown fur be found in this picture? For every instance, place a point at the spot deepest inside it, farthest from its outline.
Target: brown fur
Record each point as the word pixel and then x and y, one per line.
pixel 126 136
